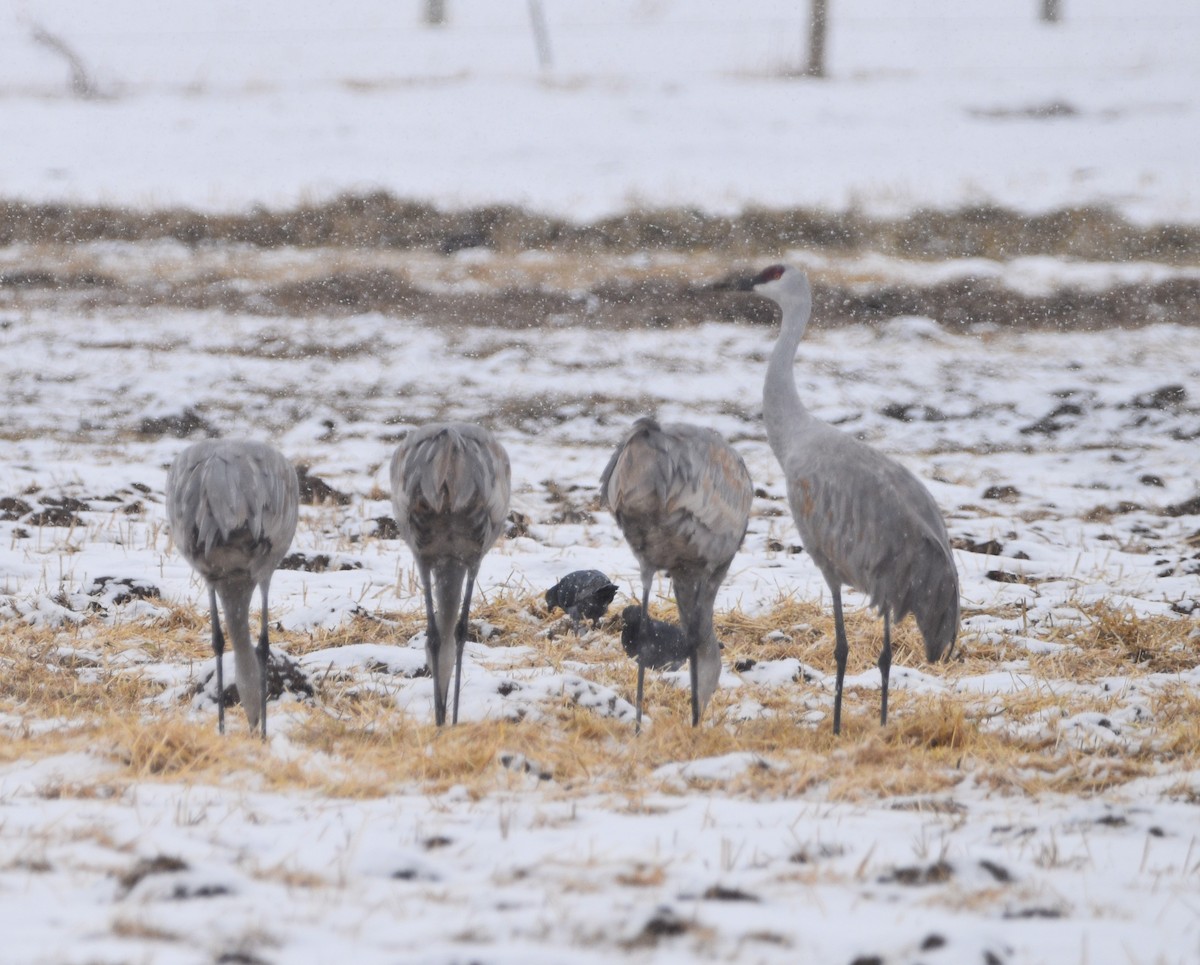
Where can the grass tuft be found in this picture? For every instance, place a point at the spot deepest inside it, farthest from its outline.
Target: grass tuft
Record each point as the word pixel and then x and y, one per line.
pixel 1068 723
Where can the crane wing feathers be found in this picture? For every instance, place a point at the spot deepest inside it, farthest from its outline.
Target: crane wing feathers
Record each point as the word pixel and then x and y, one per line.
pixel 685 478
pixel 869 523
pixel 451 470
pixel 219 489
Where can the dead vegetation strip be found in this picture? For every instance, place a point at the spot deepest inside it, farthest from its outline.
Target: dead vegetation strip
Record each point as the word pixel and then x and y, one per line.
pixel 358 744
pixel 380 220
pixel 615 303
pixel 377 253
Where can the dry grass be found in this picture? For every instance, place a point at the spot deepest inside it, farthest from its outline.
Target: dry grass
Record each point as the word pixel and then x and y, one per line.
pixel 383 222
pixel 69 691
pixel 645 269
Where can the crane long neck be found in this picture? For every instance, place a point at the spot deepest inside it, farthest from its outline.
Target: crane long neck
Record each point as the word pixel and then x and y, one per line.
pixel 783 411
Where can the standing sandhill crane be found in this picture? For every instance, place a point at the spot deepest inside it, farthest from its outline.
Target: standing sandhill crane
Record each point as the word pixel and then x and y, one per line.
pixel 233 508
pixel 450 489
pixel 681 495
pixel 866 521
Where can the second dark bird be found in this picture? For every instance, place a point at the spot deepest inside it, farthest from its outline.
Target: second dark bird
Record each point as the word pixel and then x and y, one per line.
pixel 665 644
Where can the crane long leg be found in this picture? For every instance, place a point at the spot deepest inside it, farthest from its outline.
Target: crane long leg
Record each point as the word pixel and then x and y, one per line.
pixel 460 639
pixel 643 643
pixel 687 598
pixel 694 668
pixel 885 664
pixel 218 646
pixel 264 657
pixel 841 651
pixel 432 644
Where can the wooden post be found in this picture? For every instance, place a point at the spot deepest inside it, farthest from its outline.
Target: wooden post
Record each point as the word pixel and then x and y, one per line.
pixel 541 34
pixel 817 29
pixel 434 13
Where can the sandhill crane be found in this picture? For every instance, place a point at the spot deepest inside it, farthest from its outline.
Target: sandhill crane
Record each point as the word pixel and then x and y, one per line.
pixel 233 507
pixel 450 490
pixel 583 595
pixel 866 521
pixel 681 495
pixel 661 646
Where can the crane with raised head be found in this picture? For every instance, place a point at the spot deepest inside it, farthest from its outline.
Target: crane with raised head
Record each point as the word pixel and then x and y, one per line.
pixel 450 490
pixel 864 519
pixel 681 495
pixel 233 507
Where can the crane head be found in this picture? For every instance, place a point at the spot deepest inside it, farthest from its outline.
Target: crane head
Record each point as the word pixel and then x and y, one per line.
pixel 767 275
pixel 784 285
pixel 755 283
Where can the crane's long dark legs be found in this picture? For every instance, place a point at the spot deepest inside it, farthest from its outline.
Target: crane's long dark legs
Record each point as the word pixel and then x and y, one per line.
pixel 686 599
pixel 841 651
pixel 264 657
pixel 694 668
pixel 643 641
pixel 885 664
pixel 460 639
pixel 218 646
pixel 708 647
pixel 432 644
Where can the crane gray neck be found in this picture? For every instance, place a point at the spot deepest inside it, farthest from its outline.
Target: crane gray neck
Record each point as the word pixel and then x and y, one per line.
pixel 782 409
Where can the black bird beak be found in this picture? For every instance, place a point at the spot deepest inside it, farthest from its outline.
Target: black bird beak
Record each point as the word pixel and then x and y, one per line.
pixel 740 282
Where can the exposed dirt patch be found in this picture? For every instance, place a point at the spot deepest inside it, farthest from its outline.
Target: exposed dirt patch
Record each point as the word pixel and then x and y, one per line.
pixel 180 425
pixel 317 563
pixel 624 304
pixel 54 516
pixel 314 490
pixel 363 236
pixel 380 220
pixel 12 507
pixel 145 867
pixel 284 675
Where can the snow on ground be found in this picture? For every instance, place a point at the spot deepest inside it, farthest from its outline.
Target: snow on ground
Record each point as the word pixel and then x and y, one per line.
pixel 224 104
pixel 518 878
pixel 1070 423
pixel 1065 463
pixel 1066 450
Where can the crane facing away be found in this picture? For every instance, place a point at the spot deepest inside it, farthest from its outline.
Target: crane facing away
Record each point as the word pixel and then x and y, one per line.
pixel 866 521
pixel 681 495
pixel 233 508
pixel 450 491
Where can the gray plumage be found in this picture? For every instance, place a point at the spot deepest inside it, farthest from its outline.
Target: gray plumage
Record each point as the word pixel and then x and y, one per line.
pixel 866 521
pixel 681 496
pixel 665 646
pixel 582 595
pixel 450 492
pixel 233 508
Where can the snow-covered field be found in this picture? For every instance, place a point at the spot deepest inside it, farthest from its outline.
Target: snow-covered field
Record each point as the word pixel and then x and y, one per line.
pixel 223 104
pixel 1034 800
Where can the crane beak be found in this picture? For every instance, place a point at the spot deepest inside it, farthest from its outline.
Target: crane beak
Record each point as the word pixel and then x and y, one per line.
pixel 739 282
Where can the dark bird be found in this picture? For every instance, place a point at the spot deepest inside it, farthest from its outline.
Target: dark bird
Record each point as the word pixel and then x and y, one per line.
pixel 866 521
pixel 583 594
pixel 233 508
pixel 681 495
pixel 450 491
pixel 666 647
